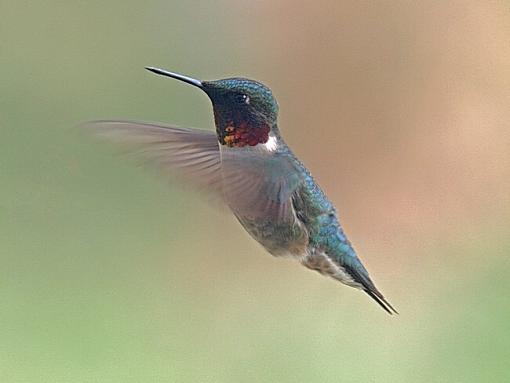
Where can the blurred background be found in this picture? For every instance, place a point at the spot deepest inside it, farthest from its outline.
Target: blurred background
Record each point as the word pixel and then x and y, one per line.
pixel 110 273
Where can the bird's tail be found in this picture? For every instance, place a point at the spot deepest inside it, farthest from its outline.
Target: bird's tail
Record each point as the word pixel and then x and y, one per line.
pixel 379 298
pixel 360 275
pixel 349 271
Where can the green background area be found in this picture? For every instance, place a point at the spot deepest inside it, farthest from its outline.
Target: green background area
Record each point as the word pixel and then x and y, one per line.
pixel 112 273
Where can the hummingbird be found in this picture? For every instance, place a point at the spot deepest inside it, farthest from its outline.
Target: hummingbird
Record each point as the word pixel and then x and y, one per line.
pixel 248 165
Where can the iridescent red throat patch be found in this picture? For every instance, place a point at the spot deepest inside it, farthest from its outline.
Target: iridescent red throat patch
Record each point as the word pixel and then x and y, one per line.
pixel 244 135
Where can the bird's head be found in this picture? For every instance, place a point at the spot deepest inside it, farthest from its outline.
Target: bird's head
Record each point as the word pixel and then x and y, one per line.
pixel 245 111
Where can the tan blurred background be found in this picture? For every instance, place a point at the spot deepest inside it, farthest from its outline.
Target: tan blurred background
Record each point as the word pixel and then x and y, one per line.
pixel 111 274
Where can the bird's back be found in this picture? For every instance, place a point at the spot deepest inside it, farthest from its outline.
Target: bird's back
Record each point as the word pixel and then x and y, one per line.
pixel 302 223
pixel 329 251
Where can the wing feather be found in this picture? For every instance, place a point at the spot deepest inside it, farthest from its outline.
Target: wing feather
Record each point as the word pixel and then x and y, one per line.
pixel 259 184
pixel 191 153
pixel 256 184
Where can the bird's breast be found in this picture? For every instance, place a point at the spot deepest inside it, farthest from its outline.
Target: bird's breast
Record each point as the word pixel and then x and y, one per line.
pixel 289 239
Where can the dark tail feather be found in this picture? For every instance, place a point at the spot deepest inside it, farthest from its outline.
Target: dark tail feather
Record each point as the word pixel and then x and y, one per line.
pixel 378 297
pixel 360 275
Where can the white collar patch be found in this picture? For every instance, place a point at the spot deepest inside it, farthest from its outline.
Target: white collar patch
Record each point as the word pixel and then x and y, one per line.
pixel 271 144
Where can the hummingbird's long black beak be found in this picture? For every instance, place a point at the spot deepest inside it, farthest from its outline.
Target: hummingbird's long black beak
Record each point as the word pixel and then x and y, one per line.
pixel 177 76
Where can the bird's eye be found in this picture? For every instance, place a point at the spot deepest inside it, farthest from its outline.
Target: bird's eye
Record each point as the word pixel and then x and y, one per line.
pixel 242 98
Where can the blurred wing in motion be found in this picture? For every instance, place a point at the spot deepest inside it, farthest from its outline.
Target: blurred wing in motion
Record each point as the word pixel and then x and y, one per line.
pixel 193 154
pixel 258 184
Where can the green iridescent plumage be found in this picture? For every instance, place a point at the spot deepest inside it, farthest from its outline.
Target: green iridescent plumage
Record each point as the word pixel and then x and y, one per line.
pixel 251 168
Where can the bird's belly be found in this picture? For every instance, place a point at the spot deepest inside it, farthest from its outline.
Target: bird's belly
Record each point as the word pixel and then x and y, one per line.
pixel 279 240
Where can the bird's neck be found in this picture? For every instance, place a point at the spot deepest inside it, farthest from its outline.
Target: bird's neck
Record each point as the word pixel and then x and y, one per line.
pixel 243 134
pixel 235 130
